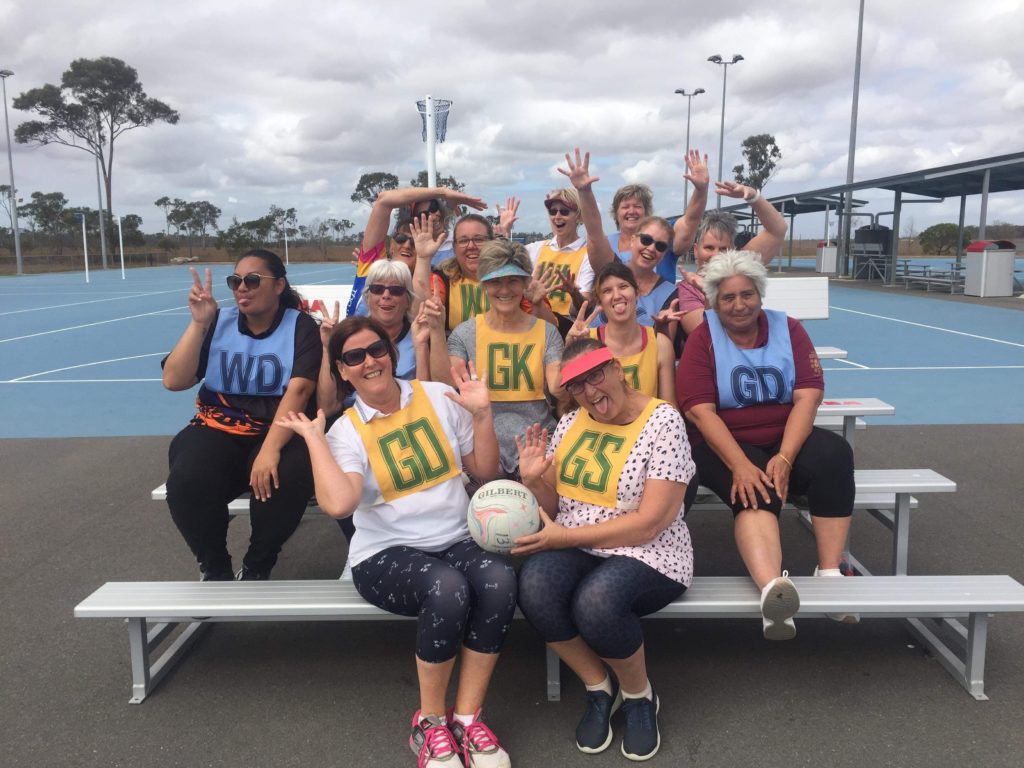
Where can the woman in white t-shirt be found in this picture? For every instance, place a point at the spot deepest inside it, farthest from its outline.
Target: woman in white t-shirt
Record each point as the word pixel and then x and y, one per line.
pixel 618 548
pixel 394 460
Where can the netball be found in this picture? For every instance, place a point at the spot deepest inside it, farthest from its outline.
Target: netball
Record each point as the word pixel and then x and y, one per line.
pixel 499 513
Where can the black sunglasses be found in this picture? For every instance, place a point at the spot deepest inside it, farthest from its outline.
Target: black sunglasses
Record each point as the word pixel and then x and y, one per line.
pixel 558 207
pixel 252 280
pixel 432 207
pixel 593 378
pixel 378 289
pixel 355 357
pixel 659 245
pixel 401 238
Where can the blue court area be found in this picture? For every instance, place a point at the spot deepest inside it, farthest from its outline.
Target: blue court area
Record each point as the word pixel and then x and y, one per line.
pixel 81 359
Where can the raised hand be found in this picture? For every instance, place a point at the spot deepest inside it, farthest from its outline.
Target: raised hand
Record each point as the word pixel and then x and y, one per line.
pixel 461 198
pixel 545 281
pixel 733 189
pixel 533 462
pixel 579 171
pixel 507 216
pixel 472 390
pixel 201 303
pixel 697 170
pixel 327 323
pixel 423 238
pixel 581 325
pixel 669 315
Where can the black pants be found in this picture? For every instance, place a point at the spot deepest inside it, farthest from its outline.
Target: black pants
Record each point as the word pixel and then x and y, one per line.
pixel 460 596
pixel 209 468
pixel 822 471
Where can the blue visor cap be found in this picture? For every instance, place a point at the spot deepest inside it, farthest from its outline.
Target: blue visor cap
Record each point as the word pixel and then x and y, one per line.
pixel 508 270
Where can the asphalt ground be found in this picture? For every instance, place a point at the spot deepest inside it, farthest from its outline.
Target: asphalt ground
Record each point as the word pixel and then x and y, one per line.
pixel 76 514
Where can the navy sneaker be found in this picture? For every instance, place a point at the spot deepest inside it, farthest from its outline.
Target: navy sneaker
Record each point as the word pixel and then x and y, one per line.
pixel 216 574
pixel 249 574
pixel 594 732
pixel 641 739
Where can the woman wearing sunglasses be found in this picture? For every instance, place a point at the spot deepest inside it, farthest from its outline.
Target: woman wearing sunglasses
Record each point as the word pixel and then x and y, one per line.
pixel 394 462
pixel 648 245
pixel 647 358
pixel 257 360
pixel 516 353
pixel 613 546
pixel 566 251
pixel 437 203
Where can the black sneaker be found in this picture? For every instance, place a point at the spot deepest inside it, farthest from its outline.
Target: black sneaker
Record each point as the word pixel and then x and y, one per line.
pixel 594 733
pixel 216 574
pixel 248 574
pixel 640 740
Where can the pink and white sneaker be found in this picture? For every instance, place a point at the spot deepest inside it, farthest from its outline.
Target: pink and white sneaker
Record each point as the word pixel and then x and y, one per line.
pixel 433 743
pixel 480 747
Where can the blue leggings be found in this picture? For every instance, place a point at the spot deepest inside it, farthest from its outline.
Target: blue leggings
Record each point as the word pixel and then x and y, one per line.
pixel 569 592
pixel 460 596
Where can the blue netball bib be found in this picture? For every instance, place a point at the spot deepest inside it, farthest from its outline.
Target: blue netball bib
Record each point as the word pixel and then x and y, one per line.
pixel 242 365
pixel 762 376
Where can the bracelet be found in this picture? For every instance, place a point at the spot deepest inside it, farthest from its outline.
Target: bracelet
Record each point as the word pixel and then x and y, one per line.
pixel 790 463
pixel 754 199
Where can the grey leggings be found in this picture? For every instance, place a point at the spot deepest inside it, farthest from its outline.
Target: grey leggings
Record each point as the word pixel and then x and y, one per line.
pixel 460 596
pixel 569 592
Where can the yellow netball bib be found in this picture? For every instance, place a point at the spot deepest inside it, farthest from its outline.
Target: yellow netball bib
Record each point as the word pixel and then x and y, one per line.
pixel 514 361
pixel 641 369
pixel 564 261
pixel 408 449
pixel 591 457
pixel 466 299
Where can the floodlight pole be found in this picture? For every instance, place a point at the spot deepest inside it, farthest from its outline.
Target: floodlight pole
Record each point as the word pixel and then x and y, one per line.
pixel 716 59
pixel 85 248
pixel 689 100
pixel 286 262
pixel 431 141
pixel 19 264
pixel 120 243
pixel 844 241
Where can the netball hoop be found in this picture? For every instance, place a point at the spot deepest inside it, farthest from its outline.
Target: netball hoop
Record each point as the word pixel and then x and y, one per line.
pixel 434 116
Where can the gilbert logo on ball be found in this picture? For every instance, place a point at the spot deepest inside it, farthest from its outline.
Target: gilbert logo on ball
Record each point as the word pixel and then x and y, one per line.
pixel 500 512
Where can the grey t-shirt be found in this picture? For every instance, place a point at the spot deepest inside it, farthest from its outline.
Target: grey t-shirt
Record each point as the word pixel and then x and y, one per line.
pixel 510 418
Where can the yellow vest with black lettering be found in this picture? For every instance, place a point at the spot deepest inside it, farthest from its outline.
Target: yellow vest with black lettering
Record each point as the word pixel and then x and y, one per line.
pixel 408 449
pixel 565 261
pixel 591 457
pixel 466 299
pixel 514 362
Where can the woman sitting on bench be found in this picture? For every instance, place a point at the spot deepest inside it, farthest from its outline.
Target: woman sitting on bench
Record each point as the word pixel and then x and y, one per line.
pixel 750 383
pixel 615 473
pixel 394 460
pixel 258 359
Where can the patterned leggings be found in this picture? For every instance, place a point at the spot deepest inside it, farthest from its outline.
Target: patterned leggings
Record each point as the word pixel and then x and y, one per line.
pixel 460 596
pixel 569 592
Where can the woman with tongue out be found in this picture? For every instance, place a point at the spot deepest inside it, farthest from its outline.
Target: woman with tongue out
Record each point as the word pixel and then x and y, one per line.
pixel 614 546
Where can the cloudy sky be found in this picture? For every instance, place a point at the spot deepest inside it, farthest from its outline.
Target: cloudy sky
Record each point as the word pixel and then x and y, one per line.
pixel 287 103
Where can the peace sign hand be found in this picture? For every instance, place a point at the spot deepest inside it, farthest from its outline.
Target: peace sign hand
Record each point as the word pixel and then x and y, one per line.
pixel 201 303
pixel 327 323
pixel 581 325
pixel 579 171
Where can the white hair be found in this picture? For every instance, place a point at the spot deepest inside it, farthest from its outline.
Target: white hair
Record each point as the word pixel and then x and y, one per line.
pixel 730 264
pixel 390 271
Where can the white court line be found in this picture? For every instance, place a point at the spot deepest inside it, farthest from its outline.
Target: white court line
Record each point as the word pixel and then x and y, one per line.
pixel 932 368
pixel 84 365
pixel 89 325
pixel 847 362
pixel 930 327
pixel 81 381
pixel 93 301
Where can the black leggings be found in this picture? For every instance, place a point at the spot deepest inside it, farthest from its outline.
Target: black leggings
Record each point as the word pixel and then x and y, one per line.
pixel 461 596
pixel 822 471
pixel 209 468
pixel 569 592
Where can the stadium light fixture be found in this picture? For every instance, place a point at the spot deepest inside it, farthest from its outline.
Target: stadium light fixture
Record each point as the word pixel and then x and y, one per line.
pixel 716 59
pixel 689 99
pixel 19 266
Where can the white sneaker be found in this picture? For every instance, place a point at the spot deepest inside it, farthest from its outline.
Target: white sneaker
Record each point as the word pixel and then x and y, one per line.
pixel 779 603
pixel 844 618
